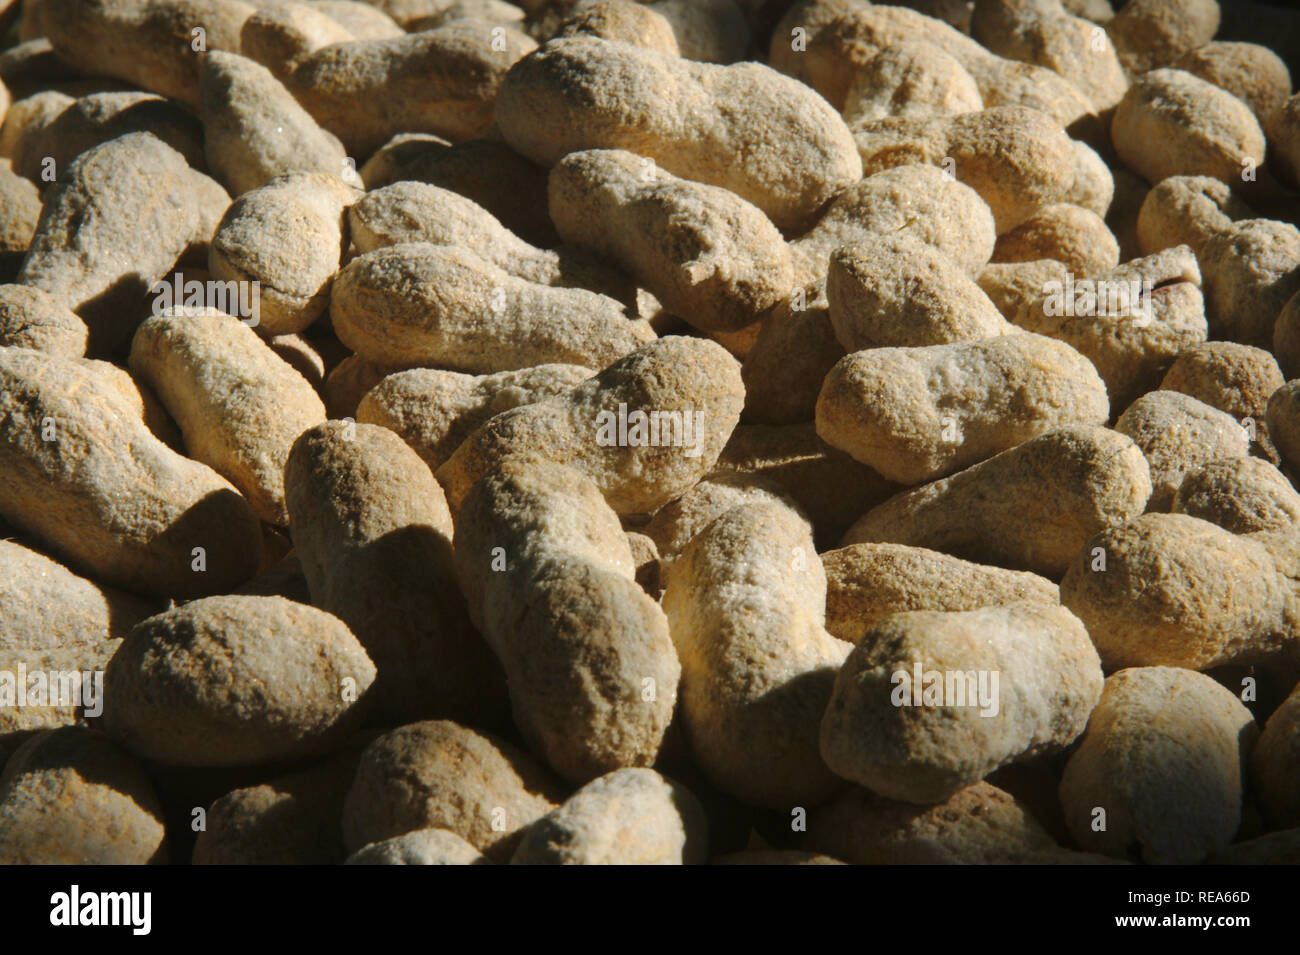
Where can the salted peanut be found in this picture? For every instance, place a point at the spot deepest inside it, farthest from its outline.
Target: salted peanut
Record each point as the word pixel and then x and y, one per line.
pixel 1237 379
pixel 113 224
pixel 910 79
pixel 54 621
pixel 897 291
pixel 419 212
pixel 372 530
pixel 1252 73
pixel 288 236
pixel 774 857
pixel 147 43
pixel 989 687
pixel 916 414
pixel 1043 32
pixel 441 81
pixel 28 115
pixel 1283 417
pixel 1029 508
pixel 47 605
pixel 644 430
pixel 53 677
pixel 627 817
pixel 1188 210
pixel 839 35
pixel 865 583
pixel 439 775
pixel 1130 322
pixel 20 211
pixel 1070 234
pixel 434 411
pixel 348 382
pixel 144 404
pixel 43 151
pixel 282 35
pixel 1153 33
pixel 294 683
pixel 1162 762
pixel 421 847
pixel 623 21
pixel 825 483
pixel 827 30
pixel 1275 765
pixel 1171 123
pixel 139 397
pixel 106 495
pixel 254 130
pixel 1242 495
pixel 676 523
pixel 239 405
pixel 1017 159
pixel 1173 590
pixel 51 686
pixel 777 145
pixel 549 578
pixel 796 344
pixel 1251 271
pixel 1176 433
pixel 422 304
pixel 1276 848
pixel 70 797
pixel 916 200
pixel 1013 286
pixel 705 253
pixel 475 169
pixel 746 602
pixel 980 825
pixel 291 819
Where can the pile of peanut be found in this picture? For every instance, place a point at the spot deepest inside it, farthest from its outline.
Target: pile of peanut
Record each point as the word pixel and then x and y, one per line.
pixel 672 432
